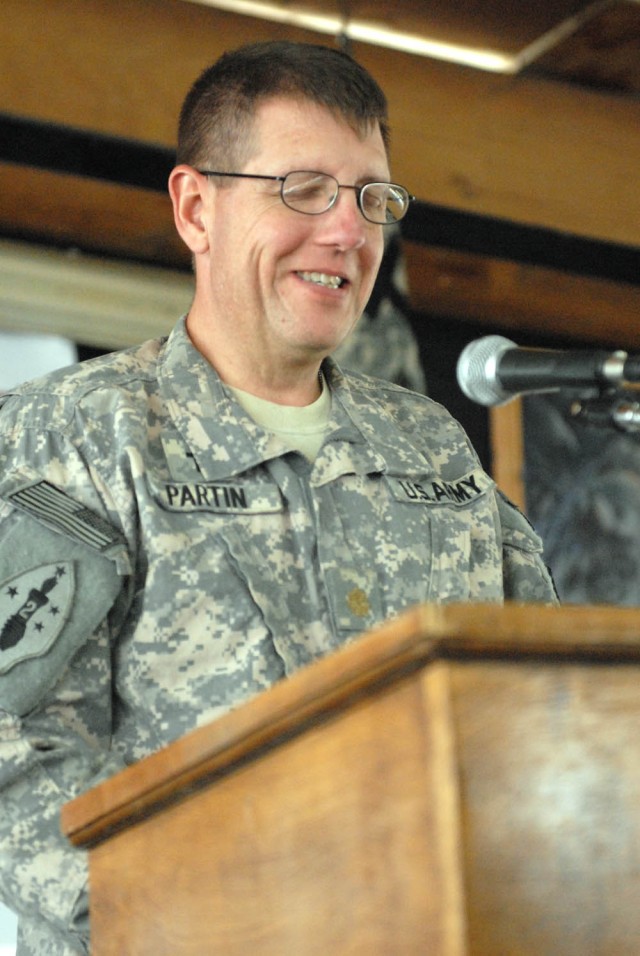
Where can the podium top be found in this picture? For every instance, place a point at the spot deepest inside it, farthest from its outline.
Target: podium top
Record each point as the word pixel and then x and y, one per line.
pixel 414 640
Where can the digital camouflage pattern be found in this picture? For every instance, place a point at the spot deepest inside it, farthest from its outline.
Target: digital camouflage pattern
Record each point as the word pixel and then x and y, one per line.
pixel 162 558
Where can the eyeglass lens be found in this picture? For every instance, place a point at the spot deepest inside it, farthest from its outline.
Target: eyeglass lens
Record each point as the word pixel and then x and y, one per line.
pixel 314 193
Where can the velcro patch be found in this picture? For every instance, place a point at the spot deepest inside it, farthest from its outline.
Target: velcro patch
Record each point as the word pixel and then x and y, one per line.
pixel 437 491
pixel 61 512
pixel 34 607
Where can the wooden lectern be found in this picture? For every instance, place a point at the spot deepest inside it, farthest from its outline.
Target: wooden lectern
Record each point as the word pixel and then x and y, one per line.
pixel 463 780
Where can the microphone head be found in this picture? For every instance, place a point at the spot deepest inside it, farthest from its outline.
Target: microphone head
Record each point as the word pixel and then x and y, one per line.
pixel 477 370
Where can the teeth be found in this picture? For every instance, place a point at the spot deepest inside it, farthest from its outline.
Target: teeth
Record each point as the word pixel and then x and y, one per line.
pixel 321 278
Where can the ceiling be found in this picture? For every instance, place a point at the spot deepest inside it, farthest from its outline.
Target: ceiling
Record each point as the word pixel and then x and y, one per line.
pixel 532 170
pixel 594 44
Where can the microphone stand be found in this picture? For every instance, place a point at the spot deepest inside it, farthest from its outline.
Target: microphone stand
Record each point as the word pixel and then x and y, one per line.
pixel 620 410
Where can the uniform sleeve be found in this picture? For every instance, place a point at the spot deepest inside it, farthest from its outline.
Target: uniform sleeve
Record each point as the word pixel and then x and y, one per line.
pixel 61 578
pixel 525 575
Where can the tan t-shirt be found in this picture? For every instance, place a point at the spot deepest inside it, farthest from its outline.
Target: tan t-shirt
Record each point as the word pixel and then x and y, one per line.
pixel 301 426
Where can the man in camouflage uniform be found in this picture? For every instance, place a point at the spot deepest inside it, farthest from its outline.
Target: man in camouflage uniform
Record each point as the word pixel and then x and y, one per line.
pixel 187 522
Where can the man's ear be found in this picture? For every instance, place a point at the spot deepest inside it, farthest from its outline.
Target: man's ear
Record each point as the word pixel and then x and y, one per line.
pixel 187 190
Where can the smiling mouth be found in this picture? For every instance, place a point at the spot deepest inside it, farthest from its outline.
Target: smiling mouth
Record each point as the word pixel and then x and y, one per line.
pixel 323 279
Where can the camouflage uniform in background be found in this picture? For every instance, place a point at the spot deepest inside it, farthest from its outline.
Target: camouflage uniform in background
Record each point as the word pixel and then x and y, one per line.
pixel 383 342
pixel 162 558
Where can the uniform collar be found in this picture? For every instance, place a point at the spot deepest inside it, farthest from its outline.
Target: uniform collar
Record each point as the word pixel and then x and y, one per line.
pixel 363 414
pixel 215 439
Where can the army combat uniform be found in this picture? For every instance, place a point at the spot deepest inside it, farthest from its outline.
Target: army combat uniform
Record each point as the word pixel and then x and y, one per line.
pixel 163 558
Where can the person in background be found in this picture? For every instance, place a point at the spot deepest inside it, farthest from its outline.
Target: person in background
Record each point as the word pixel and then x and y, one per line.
pixel 185 523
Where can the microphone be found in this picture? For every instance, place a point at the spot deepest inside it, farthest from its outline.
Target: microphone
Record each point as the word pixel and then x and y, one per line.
pixel 492 370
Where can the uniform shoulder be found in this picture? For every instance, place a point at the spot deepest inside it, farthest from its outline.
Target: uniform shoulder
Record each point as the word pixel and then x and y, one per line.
pixel 57 394
pixel 397 401
pixel 114 368
pixel 409 429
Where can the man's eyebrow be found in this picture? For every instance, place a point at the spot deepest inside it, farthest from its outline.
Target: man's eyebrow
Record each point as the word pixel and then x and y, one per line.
pixel 363 180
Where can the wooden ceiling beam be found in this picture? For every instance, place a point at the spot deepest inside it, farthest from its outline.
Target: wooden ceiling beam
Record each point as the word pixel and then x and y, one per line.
pixel 526 150
pixel 531 151
pixel 522 150
pixel 94 216
pixel 521 298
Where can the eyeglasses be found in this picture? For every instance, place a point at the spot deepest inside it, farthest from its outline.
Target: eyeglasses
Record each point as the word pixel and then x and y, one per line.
pixel 314 193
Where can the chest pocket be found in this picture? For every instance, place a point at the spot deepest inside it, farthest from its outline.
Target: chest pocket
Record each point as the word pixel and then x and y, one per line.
pixel 457 519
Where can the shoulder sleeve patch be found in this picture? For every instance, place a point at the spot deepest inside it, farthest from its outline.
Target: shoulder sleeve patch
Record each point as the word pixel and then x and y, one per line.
pixel 55 592
pixel 34 607
pixel 60 512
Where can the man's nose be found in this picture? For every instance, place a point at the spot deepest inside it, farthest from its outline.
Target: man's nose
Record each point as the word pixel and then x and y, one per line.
pixel 345 223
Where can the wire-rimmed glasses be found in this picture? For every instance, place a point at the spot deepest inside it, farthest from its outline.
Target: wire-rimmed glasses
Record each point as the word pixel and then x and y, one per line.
pixel 313 193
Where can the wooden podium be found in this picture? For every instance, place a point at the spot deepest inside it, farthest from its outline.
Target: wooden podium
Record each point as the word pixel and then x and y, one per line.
pixel 463 780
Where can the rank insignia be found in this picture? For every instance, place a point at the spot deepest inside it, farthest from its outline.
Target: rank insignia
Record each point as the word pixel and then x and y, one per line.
pixel 34 607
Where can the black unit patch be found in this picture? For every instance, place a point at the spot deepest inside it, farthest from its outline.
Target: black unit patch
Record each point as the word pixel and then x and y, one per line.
pixel 34 607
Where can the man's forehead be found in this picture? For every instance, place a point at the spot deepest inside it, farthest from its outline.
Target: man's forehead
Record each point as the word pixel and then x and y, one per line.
pixel 295 109
pixel 291 124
